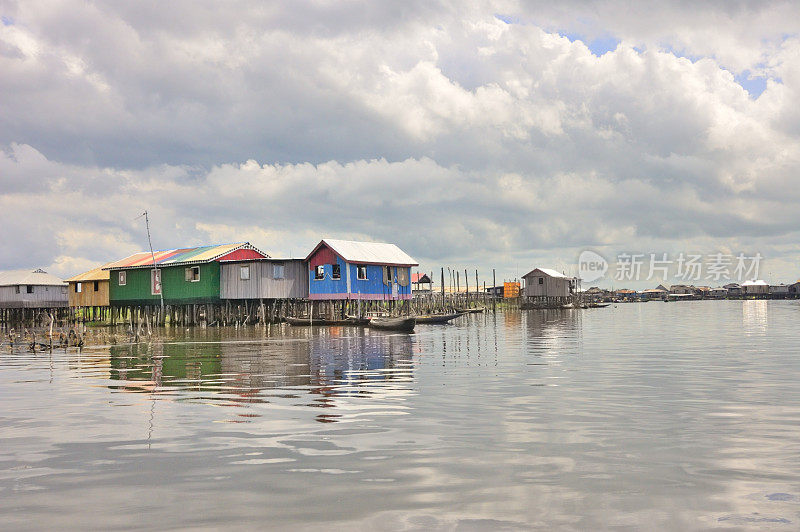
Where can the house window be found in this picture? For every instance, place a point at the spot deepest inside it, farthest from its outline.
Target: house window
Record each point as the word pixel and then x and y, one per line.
pixel 277 271
pixel 541 280
pixel 362 273
pixel 192 274
pixel 155 281
pixel 78 288
pixel 96 286
pixel 319 273
pixel 30 289
pixel 244 273
pixel 337 272
pixel 123 278
pixel 16 289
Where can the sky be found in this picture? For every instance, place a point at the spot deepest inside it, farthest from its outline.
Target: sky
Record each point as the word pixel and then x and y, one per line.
pixel 506 135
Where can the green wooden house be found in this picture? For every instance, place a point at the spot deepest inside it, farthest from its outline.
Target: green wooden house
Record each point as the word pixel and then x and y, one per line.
pixel 183 276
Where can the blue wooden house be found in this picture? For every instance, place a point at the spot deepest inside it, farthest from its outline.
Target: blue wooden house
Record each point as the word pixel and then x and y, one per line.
pixel 343 269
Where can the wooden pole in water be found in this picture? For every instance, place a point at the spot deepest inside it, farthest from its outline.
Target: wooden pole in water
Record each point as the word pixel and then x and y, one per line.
pixel 477 287
pixel 494 291
pixel 466 284
pixel 442 289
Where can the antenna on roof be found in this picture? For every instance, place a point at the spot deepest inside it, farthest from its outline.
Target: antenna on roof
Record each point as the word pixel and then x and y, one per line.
pixel 153 255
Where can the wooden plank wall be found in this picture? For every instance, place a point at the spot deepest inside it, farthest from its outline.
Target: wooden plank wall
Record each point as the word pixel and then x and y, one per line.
pixel 262 284
pixel 552 287
pixel 88 297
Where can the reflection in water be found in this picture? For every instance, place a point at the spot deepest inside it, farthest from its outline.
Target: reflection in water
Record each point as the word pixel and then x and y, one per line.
pixel 649 416
pixel 326 362
pixel 754 316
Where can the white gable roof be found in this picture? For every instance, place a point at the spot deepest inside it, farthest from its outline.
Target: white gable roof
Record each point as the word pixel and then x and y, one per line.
pixel 546 271
pixel 368 252
pixel 757 282
pixel 31 277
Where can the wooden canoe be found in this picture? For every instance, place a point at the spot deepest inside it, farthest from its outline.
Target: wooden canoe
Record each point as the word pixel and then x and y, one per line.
pixel 393 324
pixel 305 321
pixel 471 310
pixel 436 318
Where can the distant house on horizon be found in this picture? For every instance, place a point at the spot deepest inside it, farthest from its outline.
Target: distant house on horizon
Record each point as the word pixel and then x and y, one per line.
pixel 755 287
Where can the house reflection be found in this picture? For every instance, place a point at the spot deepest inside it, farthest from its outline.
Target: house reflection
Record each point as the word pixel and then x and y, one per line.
pixel 754 316
pixel 320 364
pixel 552 329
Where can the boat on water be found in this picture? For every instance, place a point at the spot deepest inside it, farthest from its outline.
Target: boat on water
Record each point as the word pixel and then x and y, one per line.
pixel 393 324
pixel 597 305
pixel 434 319
pixel 322 322
pixel 471 310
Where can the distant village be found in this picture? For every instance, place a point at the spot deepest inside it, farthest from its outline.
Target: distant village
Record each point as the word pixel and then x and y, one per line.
pixel 214 283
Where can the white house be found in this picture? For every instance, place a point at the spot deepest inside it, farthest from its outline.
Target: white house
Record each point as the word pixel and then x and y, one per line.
pixel 755 287
pixel 31 289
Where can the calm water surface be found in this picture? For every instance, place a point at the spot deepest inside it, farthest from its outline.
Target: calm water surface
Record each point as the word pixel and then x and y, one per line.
pixel 640 416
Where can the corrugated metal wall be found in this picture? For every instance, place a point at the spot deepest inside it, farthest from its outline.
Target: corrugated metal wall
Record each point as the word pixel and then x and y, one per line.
pixel 262 283
pixel 42 297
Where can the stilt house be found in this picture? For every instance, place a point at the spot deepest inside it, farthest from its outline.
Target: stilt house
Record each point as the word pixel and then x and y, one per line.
pixel 21 289
pixel 184 276
pixel 343 269
pixel 549 287
pixel 89 289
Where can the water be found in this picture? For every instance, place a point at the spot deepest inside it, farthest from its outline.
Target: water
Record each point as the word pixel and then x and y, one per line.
pixel 641 416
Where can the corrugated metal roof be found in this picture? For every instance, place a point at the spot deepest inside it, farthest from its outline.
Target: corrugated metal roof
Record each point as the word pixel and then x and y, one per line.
pixel 367 252
pixel 98 274
pixel 173 257
pixel 547 271
pixel 754 282
pixel 32 277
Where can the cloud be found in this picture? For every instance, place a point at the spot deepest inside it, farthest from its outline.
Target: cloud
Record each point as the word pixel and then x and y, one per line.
pixel 459 134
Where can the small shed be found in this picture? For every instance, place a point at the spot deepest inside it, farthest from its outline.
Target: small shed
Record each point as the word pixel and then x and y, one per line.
pixel 89 289
pixel 184 275
pixel 734 289
pixel 268 278
pixel 421 283
pixel 658 292
pixel 779 290
pixel 345 269
pixel 719 292
pixel 21 289
pixel 794 289
pixel 547 283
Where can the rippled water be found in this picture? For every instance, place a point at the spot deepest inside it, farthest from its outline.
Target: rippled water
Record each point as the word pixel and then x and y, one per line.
pixel 640 416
